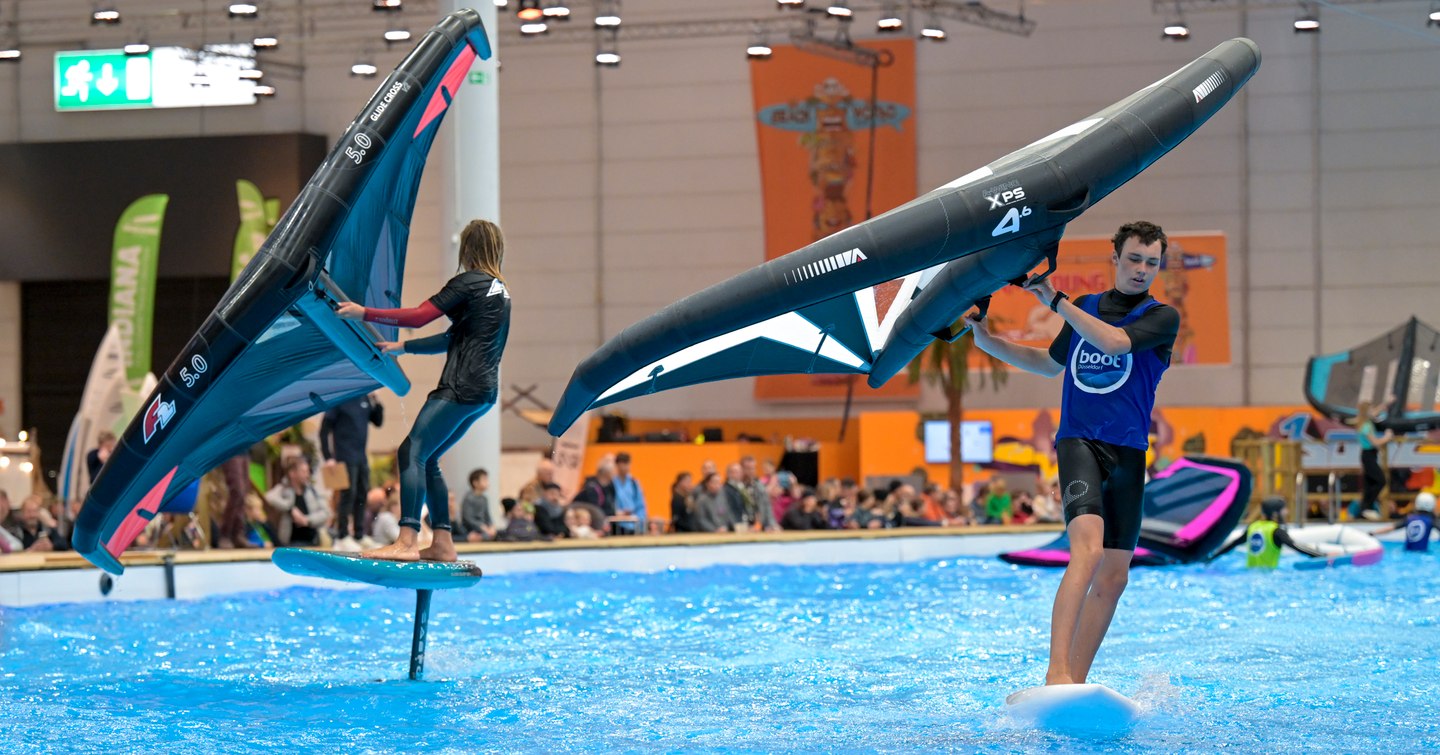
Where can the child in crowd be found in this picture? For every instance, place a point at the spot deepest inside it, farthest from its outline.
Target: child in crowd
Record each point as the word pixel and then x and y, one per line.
pixel 997 503
pixel 475 509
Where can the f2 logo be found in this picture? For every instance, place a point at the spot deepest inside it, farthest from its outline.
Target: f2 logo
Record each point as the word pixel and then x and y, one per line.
pixel 1011 222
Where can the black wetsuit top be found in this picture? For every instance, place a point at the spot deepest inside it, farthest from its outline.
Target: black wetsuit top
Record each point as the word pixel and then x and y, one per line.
pixel 1155 329
pixel 479 309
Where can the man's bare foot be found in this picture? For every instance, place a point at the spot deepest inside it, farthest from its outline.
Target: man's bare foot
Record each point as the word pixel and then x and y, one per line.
pixel 396 551
pixel 439 552
pixel 441 548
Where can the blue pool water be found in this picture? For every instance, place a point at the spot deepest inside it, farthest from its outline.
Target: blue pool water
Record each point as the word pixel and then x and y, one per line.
pixel 914 657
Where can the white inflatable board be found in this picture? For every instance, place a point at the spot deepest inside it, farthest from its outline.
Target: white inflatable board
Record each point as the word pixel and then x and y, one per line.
pixel 1086 708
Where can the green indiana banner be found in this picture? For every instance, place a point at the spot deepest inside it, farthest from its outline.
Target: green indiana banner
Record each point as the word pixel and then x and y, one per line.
pixel 132 280
pixel 258 216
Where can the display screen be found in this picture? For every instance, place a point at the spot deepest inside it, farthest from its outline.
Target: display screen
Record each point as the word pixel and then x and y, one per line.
pixel 977 441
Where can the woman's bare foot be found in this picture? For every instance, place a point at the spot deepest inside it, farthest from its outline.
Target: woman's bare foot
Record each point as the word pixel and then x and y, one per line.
pixel 403 549
pixel 442 548
pixel 1053 678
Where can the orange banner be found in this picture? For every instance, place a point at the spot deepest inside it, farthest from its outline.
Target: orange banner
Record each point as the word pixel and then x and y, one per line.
pixel 813 124
pixel 1193 281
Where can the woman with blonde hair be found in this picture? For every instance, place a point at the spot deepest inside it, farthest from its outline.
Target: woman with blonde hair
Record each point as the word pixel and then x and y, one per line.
pixel 478 305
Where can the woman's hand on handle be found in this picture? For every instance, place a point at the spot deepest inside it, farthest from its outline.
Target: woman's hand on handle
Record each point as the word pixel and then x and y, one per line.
pixel 349 310
pixel 391 347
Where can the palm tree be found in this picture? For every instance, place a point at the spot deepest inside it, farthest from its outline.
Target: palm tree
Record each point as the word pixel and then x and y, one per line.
pixel 947 364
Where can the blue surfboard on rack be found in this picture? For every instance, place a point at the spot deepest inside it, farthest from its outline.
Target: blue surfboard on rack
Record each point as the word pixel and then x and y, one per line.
pixel 410 575
pixel 1074 709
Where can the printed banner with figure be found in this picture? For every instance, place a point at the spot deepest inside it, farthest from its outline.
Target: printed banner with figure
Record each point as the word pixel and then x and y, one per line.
pixel 813 117
pixel 1192 280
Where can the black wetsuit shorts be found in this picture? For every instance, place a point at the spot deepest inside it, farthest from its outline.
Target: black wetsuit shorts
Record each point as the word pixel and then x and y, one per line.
pixel 1103 479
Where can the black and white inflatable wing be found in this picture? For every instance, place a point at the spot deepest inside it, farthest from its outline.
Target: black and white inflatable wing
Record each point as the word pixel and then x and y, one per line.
pixel 815 310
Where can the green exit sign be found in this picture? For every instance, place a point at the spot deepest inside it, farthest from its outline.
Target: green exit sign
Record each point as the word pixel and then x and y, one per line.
pixel 102 80
pixel 164 77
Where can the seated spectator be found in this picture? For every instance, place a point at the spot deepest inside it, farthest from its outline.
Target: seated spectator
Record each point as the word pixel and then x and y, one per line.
pixel 548 513
pixel 31 529
pixel 521 525
pixel 681 518
pixel 1022 512
pixel 710 506
pixel 599 488
pixel 785 492
pixel 868 514
pixel 303 513
pixel 932 497
pixel 757 496
pixel 386 527
pixel 578 522
pixel 805 515
pixel 997 503
pixel 475 510
pixel 1047 502
pixel 956 513
pixel 534 490
pixel 910 512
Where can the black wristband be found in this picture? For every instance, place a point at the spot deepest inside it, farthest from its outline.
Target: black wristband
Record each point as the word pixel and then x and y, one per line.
pixel 1055 302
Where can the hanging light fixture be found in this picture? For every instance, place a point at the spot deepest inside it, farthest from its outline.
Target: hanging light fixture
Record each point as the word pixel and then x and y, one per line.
pixel 759 48
pixel 529 10
pixel 104 15
pixel 556 10
pixel 137 48
pixel 840 9
pixel 1176 30
pixel 392 36
pixel 265 42
pixel 386 6
pixel 244 10
pixel 364 69
pixel 607 52
pixel 607 13
pixel 264 90
pixel 1307 22
pixel 890 20
pixel 933 31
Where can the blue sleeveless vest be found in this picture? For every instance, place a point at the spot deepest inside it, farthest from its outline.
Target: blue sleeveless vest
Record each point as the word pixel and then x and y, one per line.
pixel 1109 398
pixel 1417 531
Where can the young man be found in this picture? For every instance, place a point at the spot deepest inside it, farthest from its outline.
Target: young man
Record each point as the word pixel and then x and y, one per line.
pixel 1112 349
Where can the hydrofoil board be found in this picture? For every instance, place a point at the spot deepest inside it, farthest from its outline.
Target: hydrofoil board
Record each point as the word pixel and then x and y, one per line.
pixel 346 567
pixel 1085 708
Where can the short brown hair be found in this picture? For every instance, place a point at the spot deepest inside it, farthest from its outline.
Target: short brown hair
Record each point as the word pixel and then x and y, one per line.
pixel 1147 232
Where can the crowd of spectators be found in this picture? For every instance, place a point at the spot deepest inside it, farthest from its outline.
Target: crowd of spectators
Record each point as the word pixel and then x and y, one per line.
pixel 747 496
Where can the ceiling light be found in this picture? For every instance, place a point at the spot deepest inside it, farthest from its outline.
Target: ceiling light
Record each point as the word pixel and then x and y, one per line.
pixel 397 35
pixel 557 10
pixel 529 10
pixel 264 90
pixel 1434 18
pixel 759 48
pixel 933 30
pixel 607 53
pixel 608 58
pixel 532 28
pixel 1307 22
pixel 501 3
pixel 791 4
pixel 253 74
pixel 386 5
pixel 244 10
pixel 1176 31
pixel 265 42
pixel 9 53
pixel 890 20
pixel 136 48
pixel 840 9
pixel 364 69
pixel 105 16
pixel 607 13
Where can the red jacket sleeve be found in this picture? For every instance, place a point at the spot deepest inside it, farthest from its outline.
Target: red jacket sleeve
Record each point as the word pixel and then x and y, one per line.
pixel 413 317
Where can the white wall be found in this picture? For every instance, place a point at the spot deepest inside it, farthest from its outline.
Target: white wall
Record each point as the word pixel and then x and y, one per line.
pixel 625 189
